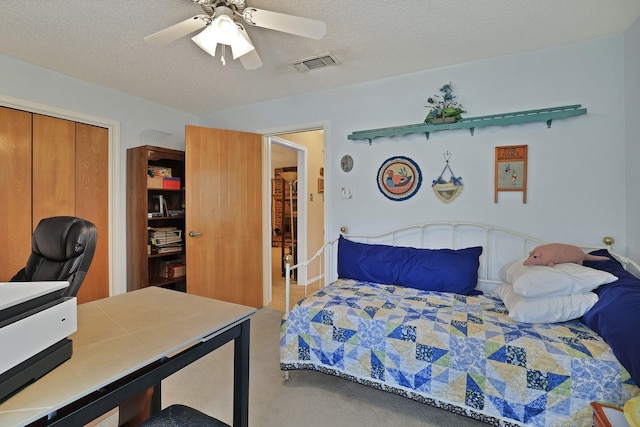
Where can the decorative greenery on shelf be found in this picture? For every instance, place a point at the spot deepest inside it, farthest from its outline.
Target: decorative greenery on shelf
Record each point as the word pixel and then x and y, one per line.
pixel 444 105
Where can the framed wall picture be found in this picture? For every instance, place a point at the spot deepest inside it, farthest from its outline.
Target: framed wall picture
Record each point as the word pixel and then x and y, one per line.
pixel 511 170
pixel 399 178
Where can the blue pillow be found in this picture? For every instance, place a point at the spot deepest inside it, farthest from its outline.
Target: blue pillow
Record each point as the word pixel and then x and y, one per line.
pixel 444 270
pixel 616 315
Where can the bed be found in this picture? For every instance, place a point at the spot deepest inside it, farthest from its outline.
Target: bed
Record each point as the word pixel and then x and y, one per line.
pixel 395 318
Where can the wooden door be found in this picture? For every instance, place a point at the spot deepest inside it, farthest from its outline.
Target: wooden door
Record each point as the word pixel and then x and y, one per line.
pixel 224 204
pixel 49 167
pixel 15 190
pixel 54 180
pixel 92 203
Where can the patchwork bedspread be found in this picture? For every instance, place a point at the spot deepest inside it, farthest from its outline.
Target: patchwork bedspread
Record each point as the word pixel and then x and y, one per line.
pixel 460 353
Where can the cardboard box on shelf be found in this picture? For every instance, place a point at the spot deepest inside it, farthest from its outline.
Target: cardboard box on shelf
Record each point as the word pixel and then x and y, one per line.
pixel 155 182
pixel 173 270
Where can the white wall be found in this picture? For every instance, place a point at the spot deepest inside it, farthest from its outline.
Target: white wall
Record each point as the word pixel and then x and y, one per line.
pixel 577 189
pixel 576 180
pixel 36 85
pixel 632 109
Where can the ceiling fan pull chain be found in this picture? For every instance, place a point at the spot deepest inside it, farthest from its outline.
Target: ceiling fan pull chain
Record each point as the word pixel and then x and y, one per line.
pixel 222 57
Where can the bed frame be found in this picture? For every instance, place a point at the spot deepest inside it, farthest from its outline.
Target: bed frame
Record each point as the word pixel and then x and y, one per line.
pixel 500 247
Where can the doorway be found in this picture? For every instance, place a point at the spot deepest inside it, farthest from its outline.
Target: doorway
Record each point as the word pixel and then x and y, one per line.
pixel 302 152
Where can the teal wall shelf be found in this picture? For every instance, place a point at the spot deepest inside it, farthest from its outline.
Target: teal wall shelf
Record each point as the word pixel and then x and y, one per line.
pixel 471 123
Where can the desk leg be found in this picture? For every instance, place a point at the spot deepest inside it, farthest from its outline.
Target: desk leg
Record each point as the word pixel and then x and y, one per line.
pixel 138 408
pixel 241 377
pixel 156 399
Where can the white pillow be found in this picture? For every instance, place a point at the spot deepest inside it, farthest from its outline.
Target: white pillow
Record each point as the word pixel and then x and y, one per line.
pixel 544 309
pixel 562 279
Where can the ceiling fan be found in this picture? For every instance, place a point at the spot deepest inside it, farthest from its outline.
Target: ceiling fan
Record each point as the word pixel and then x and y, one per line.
pixel 221 26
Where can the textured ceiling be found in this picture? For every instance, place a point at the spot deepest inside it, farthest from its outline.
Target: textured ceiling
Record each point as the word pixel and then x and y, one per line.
pixel 102 42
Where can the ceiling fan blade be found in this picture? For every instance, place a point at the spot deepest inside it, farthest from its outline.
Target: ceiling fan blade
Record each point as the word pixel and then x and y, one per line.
pixel 250 60
pixel 176 31
pixel 297 25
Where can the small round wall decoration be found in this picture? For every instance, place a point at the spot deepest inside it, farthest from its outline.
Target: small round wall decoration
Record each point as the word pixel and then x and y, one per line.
pixel 346 163
pixel 399 178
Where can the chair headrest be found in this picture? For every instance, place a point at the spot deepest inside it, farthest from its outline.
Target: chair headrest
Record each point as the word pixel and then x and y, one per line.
pixel 60 238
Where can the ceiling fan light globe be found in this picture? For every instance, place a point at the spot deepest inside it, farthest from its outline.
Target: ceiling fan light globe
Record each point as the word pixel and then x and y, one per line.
pixel 223 30
pixel 206 40
pixel 225 27
pixel 241 46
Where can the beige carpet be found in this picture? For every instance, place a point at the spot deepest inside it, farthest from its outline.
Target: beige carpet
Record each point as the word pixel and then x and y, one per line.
pixel 278 284
pixel 308 399
pixel 277 302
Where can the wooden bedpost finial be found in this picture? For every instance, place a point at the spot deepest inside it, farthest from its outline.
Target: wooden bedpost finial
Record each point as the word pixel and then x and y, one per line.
pixel 609 241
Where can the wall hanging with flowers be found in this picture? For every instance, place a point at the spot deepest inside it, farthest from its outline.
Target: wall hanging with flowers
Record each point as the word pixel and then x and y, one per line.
pixel 447 191
pixel 444 107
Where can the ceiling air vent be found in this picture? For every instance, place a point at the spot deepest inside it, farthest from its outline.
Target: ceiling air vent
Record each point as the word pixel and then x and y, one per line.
pixel 320 61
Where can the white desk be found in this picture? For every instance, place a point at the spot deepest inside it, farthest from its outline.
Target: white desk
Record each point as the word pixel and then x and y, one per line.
pixel 128 343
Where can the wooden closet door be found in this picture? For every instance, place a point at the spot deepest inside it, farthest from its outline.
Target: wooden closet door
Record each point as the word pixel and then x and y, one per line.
pixel 92 203
pixel 224 203
pixel 54 191
pixel 15 190
pixel 49 167
pixel 70 177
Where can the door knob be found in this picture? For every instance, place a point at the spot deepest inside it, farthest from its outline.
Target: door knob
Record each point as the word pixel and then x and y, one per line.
pixel 195 234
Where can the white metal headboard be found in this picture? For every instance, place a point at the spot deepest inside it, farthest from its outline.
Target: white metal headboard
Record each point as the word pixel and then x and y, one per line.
pixel 500 246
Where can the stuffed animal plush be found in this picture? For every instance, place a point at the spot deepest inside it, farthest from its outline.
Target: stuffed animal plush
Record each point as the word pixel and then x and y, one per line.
pixel 558 253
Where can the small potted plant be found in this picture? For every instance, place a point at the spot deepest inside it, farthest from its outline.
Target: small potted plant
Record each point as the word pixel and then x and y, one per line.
pixel 444 108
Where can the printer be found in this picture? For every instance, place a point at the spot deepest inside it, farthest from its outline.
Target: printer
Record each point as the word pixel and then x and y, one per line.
pixel 35 323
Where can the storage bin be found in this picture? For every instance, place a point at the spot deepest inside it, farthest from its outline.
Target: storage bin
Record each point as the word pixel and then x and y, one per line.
pixel 170 183
pixel 155 181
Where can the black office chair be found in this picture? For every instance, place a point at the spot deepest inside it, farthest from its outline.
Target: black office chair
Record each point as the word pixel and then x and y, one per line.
pixel 183 416
pixel 62 248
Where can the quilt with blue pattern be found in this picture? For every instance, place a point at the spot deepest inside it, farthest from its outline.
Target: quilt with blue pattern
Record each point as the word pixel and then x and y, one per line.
pixel 460 353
